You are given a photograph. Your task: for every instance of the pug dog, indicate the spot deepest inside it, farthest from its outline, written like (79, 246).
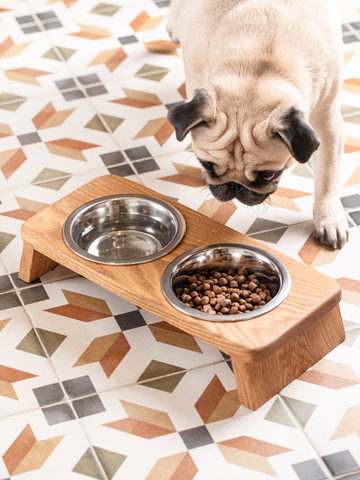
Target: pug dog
(263, 80)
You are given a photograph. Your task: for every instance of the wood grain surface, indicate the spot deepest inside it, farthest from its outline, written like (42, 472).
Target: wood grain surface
(312, 294)
(258, 382)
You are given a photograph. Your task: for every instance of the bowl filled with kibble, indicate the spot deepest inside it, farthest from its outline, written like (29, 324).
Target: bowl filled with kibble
(226, 282)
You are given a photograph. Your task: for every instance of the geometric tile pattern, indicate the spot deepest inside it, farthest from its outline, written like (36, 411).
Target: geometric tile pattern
(108, 350)
(90, 384)
(11, 160)
(180, 465)
(88, 466)
(110, 461)
(349, 423)
(314, 254)
(189, 176)
(196, 437)
(168, 334)
(159, 128)
(145, 22)
(216, 403)
(27, 453)
(67, 147)
(25, 75)
(110, 58)
(143, 421)
(8, 376)
(330, 374)
(9, 49)
(251, 453)
(49, 117)
(138, 99)
(158, 369)
(350, 290)
(82, 307)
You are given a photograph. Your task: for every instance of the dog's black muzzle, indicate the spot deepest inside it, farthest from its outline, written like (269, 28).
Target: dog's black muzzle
(228, 191)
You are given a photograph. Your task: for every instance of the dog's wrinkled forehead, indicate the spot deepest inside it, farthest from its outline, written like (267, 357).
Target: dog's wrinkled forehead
(235, 138)
(237, 149)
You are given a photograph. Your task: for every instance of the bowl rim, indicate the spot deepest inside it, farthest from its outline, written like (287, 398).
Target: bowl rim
(168, 292)
(82, 209)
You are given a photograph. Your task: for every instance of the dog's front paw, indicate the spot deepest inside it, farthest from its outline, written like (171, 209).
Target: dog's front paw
(331, 225)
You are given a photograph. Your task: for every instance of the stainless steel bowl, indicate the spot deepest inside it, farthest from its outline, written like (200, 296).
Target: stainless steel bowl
(223, 256)
(124, 229)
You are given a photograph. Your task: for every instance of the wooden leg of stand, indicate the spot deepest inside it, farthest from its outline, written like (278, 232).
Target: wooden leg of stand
(33, 264)
(260, 381)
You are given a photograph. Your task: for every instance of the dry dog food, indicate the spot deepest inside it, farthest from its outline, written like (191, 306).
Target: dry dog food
(226, 293)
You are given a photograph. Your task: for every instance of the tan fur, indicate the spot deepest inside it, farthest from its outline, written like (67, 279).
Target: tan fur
(256, 59)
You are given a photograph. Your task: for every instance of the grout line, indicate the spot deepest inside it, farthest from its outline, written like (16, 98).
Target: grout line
(346, 475)
(300, 427)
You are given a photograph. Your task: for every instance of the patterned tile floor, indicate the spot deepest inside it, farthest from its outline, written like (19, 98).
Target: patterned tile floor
(90, 385)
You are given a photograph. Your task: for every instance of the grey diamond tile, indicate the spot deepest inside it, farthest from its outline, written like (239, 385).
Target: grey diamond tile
(73, 95)
(351, 201)
(137, 153)
(309, 470)
(29, 138)
(163, 3)
(122, 171)
(112, 158)
(25, 19)
(128, 39)
(355, 216)
(146, 166)
(5, 284)
(51, 25)
(350, 39)
(58, 413)
(130, 320)
(88, 406)
(46, 15)
(355, 476)
(32, 29)
(65, 84)
(89, 79)
(33, 295)
(196, 437)
(97, 90)
(341, 462)
(49, 394)
(79, 387)
(9, 300)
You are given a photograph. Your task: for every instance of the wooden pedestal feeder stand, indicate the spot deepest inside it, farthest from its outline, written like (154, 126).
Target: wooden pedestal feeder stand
(267, 352)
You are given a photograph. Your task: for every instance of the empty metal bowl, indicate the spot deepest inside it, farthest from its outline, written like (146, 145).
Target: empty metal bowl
(124, 229)
(265, 266)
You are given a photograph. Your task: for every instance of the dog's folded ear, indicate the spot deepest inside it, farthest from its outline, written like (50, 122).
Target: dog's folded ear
(188, 115)
(298, 135)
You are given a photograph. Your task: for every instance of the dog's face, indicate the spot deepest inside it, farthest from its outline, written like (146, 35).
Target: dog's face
(244, 142)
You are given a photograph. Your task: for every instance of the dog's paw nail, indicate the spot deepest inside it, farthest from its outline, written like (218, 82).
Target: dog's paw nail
(333, 237)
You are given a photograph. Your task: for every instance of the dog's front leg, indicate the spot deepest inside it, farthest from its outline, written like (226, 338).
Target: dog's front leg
(331, 226)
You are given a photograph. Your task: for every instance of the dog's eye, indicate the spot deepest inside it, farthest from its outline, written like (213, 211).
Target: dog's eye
(209, 167)
(267, 176)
